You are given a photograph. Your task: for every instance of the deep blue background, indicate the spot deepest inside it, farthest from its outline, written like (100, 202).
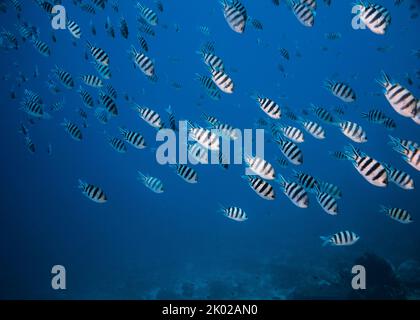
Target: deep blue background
(140, 241)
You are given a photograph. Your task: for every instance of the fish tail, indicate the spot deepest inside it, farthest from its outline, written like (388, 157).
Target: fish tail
(327, 84)
(384, 80)
(141, 176)
(383, 209)
(82, 184)
(326, 239)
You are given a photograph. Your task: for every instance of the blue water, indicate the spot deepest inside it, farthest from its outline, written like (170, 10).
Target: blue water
(142, 245)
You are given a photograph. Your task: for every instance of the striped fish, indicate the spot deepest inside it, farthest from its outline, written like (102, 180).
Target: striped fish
(65, 78)
(376, 17)
(226, 131)
(400, 98)
(143, 43)
(389, 124)
(313, 128)
(133, 138)
(338, 155)
(323, 114)
(270, 107)
(110, 90)
(400, 215)
(148, 15)
(261, 187)
(399, 177)
(100, 3)
(103, 70)
(310, 3)
(94, 193)
(410, 153)
(30, 145)
(370, 169)
(260, 167)
(209, 58)
(33, 109)
(342, 238)
(144, 63)
(222, 81)
(284, 53)
(291, 151)
(374, 116)
(330, 188)
(92, 81)
(353, 131)
(235, 15)
(211, 89)
(303, 13)
(292, 133)
(172, 121)
(188, 174)
(150, 116)
(341, 90)
(405, 143)
(41, 47)
(117, 144)
(74, 29)
(73, 130)
(205, 137)
(109, 104)
(234, 213)
(98, 54)
(305, 180)
(150, 182)
(86, 97)
(102, 115)
(327, 202)
(295, 192)
(198, 153)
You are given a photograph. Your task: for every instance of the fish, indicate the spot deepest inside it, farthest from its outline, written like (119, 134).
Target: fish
(222, 81)
(327, 202)
(235, 15)
(260, 167)
(410, 152)
(341, 90)
(117, 144)
(302, 12)
(290, 150)
(369, 168)
(375, 16)
(353, 131)
(234, 213)
(148, 15)
(92, 192)
(269, 106)
(397, 214)
(400, 98)
(143, 62)
(133, 138)
(187, 173)
(150, 116)
(399, 177)
(342, 238)
(261, 187)
(98, 54)
(153, 183)
(73, 130)
(295, 192)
